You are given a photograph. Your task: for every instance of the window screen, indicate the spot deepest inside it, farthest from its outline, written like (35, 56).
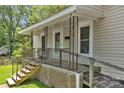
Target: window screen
(84, 40)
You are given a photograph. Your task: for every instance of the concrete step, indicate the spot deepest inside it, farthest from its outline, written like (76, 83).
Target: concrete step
(16, 78)
(30, 67)
(10, 82)
(24, 70)
(21, 74)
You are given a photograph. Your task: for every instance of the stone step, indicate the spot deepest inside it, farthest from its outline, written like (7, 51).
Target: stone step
(24, 70)
(21, 74)
(30, 67)
(10, 82)
(16, 78)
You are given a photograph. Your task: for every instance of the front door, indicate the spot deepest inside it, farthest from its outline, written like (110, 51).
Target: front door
(57, 41)
(57, 45)
(43, 43)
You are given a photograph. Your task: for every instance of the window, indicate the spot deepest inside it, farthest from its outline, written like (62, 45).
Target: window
(57, 40)
(84, 40)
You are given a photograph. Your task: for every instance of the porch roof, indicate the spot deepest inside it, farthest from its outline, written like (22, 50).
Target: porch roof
(85, 11)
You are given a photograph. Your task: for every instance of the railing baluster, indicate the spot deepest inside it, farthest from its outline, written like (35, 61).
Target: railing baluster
(60, 57)
(12, 66)
(34, 52)
(46, 55)
(16, 67)
(76, 62)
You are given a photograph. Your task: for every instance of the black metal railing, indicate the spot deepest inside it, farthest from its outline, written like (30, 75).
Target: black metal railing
(61, 58)
(62, 55)
(56, 57)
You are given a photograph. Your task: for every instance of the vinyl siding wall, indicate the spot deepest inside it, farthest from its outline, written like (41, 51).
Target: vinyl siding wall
(109, 39)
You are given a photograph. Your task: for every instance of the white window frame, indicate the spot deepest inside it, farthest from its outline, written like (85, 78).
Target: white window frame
(84, 24)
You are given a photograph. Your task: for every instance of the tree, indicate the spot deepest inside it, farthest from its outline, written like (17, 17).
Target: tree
(15, 18)
(2, 36)
(39, 13)
(12, 17)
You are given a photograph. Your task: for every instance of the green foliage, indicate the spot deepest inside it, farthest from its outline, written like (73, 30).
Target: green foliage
(3, 36)
(11, 17)
(42, 12)
(26, 42)
(17, 53)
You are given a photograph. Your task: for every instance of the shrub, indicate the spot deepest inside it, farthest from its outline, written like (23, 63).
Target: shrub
(5, 61)
(17, 53)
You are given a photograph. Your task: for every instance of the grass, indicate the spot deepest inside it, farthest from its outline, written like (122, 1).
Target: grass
(6, 72)
(32, 84)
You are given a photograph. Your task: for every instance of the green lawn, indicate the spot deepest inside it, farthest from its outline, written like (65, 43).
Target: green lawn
(6, 72)
(32, 84)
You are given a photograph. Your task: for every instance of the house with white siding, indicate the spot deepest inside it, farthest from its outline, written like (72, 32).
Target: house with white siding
(91, 36)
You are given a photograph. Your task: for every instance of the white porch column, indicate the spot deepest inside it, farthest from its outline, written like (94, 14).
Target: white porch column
(77, 79)
(36, 44)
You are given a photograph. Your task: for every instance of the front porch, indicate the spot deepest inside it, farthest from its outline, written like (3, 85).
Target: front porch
(56, 72)
(64, 44)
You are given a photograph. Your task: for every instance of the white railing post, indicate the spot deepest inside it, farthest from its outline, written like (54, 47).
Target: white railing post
(91, 71)
(77, 79)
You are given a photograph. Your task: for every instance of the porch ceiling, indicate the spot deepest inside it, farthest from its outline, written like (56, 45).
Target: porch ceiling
(86, 12)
